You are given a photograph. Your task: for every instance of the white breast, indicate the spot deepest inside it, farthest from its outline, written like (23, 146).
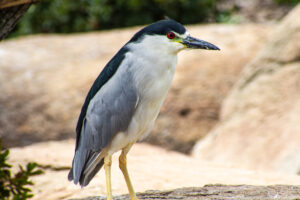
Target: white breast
(153, 74)
(153, 83)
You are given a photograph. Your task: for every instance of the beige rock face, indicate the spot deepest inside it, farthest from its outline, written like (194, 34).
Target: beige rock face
(150, 168)
(45, 78)
(260, 119)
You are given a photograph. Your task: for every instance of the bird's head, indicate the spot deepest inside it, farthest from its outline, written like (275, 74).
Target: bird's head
(168, 36)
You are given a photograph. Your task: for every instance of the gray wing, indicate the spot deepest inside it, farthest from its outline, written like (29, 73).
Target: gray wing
(109, 112)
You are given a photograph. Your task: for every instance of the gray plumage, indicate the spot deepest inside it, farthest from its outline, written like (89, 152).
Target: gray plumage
(108, 113)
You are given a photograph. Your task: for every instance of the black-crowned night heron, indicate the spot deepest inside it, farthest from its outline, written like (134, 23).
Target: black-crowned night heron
(124, 101)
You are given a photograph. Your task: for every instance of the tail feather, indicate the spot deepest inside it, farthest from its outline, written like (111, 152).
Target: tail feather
(70, 175)
(82, 160)
(86, 178)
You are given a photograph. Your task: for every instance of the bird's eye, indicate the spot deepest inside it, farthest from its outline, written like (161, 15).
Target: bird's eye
(171, 35)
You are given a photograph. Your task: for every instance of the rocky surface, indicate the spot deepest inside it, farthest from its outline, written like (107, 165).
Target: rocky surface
(150, 167)
(259, 126)
(219, 192)
(45, 78)
(257, 11)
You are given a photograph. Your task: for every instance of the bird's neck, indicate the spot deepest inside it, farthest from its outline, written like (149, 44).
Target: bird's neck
(153, 65)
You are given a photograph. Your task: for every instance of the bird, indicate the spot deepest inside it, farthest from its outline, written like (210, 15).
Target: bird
(124, 101)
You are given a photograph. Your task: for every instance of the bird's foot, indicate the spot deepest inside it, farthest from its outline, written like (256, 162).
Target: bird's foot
(133, 198)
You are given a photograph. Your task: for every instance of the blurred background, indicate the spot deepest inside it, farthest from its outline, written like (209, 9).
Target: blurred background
(55, 16)
(228, 111)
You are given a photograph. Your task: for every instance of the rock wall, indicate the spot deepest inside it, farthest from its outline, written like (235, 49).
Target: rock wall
(45, 78)
(260, 119)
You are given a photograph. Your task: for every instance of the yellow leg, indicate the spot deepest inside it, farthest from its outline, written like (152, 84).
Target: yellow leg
(107, 166)
(123, 167)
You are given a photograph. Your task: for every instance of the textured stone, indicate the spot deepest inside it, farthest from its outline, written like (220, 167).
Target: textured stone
(259, 126)
(219, 192)
(45, 78)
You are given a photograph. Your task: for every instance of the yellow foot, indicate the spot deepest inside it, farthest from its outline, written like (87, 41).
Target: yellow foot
(134, 198)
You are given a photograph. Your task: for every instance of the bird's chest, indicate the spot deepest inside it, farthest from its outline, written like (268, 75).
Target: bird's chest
(153, 81)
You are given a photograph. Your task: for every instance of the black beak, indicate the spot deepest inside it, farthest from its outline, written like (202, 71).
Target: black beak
(195, 43)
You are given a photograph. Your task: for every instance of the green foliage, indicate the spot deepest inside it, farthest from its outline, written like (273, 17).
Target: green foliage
(65, 16)
(228, 17)
(291, 2)
(15, 187)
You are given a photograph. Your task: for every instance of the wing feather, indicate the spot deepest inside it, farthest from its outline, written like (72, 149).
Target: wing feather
(109, 112)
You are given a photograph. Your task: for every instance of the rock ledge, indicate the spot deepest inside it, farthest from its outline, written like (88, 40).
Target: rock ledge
(219, 192)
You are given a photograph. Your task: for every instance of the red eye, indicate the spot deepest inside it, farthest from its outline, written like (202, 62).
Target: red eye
(170, 35)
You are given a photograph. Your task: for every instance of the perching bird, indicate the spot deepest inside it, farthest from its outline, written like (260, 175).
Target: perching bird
(125, 99)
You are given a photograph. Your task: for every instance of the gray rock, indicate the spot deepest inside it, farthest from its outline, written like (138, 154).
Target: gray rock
(218, 192)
